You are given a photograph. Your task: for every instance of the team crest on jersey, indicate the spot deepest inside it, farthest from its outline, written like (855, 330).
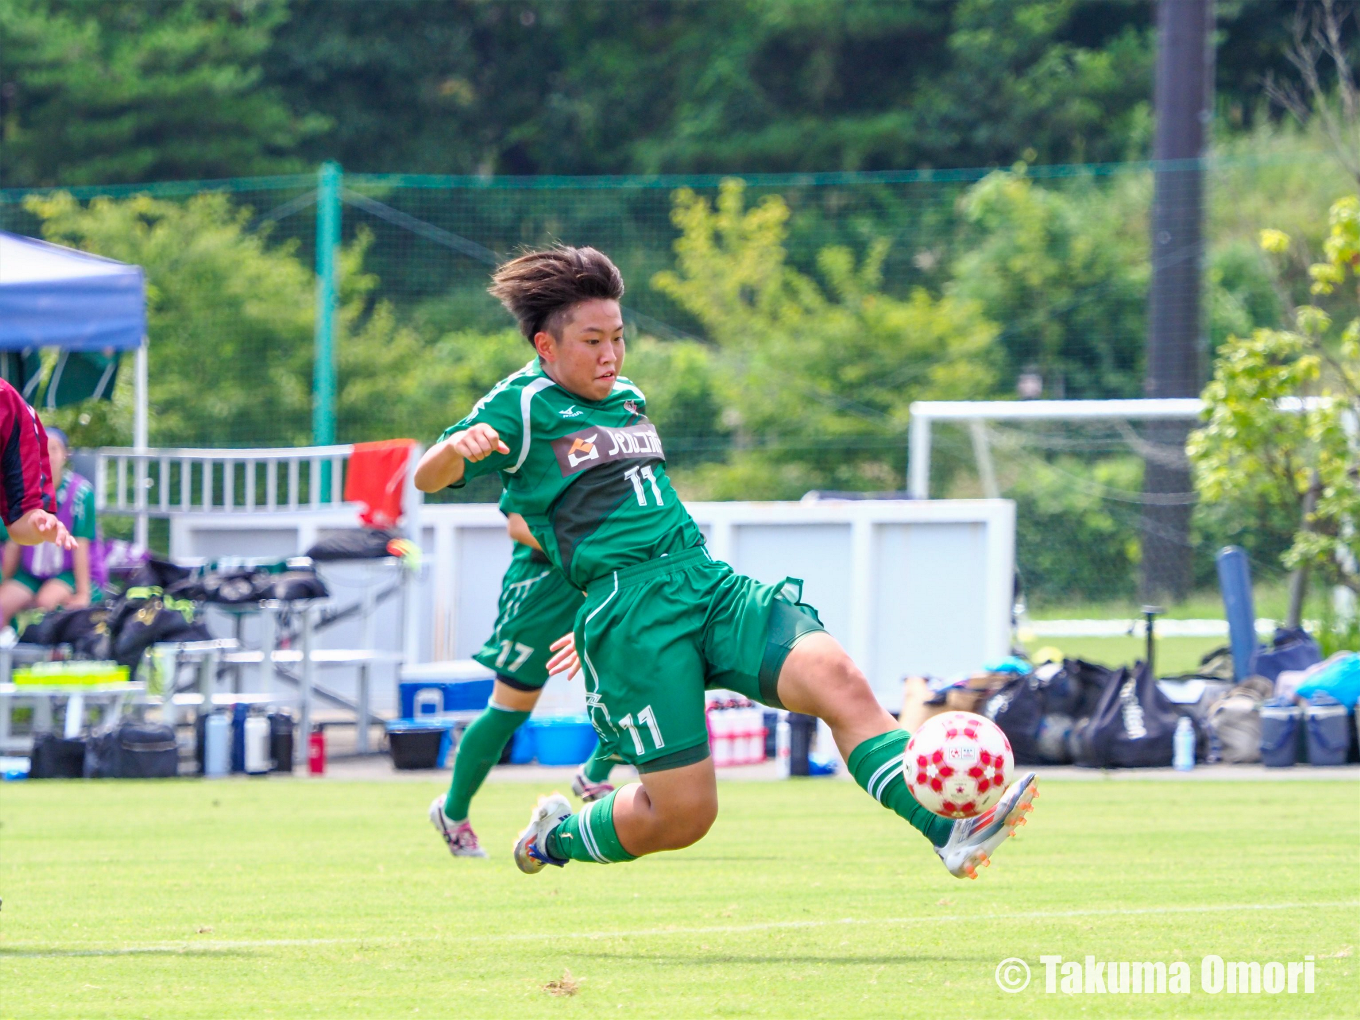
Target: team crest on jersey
(591, 447)
(630, 406)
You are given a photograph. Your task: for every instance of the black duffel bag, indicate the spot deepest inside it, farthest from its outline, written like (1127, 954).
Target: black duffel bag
(133, 751)
(55, 757)
(352, 544)
(1018, 708)
(1132, 727)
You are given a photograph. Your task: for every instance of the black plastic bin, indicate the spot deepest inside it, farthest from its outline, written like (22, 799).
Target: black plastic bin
(415, 745)
(55, 757)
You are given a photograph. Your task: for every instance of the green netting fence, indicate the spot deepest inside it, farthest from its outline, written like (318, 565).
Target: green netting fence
(999, 283)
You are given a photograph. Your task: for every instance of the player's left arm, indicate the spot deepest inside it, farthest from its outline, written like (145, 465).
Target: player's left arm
(518, 529)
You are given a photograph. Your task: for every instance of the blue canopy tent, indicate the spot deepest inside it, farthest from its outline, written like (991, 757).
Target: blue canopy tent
(52, 296)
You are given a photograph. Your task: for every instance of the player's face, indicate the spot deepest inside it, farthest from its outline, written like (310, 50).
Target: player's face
(589, 355)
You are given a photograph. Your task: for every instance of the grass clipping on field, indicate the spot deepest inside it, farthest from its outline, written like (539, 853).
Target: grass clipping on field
(564, 986)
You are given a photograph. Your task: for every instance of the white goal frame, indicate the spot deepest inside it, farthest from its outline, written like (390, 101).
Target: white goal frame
(924, 413)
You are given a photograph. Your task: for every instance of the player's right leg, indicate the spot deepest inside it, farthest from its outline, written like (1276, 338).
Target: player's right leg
(818, 678)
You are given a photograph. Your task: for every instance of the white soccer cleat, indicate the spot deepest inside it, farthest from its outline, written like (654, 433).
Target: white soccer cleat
(530, 853)
(461, 840)
(972, 841)
(588, 791)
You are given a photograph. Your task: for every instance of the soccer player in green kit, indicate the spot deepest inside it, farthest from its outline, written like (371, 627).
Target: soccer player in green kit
(661, 619)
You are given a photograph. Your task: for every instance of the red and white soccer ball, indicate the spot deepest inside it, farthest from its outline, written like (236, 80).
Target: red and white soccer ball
(958, 764)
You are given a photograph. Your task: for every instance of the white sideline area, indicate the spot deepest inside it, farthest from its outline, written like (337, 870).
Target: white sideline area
(907, 586)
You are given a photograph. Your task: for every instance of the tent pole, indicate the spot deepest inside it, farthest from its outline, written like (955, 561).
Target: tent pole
(139, 443)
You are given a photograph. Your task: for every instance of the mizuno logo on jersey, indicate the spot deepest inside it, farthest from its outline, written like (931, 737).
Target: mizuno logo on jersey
(571, 412)
(601, 445)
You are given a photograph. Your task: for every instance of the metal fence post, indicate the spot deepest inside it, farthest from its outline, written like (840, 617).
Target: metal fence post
(323, 372)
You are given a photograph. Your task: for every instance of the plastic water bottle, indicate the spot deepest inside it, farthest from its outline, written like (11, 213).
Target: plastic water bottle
(216, 744)
(256, 745)
(1183, 745)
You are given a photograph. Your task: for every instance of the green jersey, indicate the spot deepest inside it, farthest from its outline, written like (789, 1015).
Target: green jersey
(589, 478)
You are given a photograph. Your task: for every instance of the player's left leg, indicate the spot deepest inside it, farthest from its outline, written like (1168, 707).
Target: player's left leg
(818, 678)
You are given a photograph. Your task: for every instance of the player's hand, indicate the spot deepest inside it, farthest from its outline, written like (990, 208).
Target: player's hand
(52, 530)
(38, 526)
(477, 443)
(565, 660)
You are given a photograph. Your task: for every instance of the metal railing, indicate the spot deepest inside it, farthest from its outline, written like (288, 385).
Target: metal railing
(160, 482)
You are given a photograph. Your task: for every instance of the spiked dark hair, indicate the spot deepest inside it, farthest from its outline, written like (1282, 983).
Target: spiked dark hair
(540, 287)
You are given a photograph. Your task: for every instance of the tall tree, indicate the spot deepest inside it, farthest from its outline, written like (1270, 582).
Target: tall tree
(108, 91)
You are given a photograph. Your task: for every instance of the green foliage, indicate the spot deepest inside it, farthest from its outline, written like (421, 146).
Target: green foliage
(229, 318)
(110, 91)
(1253, 450)
(98, 91)
(1068, 544)
(230, 334)
(1065, 271)
(817, 375)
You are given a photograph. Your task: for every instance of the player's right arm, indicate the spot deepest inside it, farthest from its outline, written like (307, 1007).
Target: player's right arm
(445, 463)
(477, 445)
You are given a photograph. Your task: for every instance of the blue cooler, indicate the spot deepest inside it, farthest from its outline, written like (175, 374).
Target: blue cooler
(1280, 732)
(522, 745)
(1329, 729)
(569, 740)
(432, 688)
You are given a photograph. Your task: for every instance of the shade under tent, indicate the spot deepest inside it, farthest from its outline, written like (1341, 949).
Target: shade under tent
(51, 296)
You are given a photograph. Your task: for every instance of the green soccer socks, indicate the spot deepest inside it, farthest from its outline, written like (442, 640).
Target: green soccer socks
(876, 765)
(599, 766)
(479, 749)
(588, 835)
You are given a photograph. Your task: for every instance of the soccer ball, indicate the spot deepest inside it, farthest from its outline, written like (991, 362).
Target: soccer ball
(957, 764)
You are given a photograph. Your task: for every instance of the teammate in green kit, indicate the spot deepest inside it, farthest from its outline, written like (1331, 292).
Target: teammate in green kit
(661, 620)
(537, 608)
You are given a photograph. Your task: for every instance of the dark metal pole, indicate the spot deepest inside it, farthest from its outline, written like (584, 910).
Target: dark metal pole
(1182, 102)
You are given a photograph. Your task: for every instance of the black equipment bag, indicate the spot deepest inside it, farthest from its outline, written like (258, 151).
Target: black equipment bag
(55, 757)
(298, 584)
(1132, 727)
(147, 616)
(1018, 708)
(242, 586)
(352, 544)
(133, 751)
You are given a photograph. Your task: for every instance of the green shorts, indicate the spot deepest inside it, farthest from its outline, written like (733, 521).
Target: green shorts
(32, 583)
(652, 637)
(538, 605)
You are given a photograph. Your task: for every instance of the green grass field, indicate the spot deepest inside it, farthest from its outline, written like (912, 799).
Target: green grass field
(293, 898)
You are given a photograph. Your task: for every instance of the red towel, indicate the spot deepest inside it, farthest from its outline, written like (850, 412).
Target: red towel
(377, 478)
